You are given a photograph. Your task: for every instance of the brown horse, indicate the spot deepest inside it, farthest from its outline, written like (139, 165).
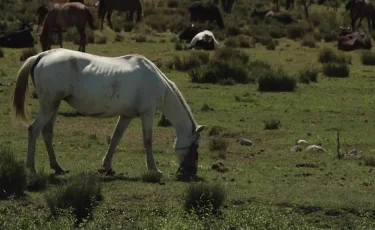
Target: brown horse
(128, 6)
(361, 9)
(63, 16)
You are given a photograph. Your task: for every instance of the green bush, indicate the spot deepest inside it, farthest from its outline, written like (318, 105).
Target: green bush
(12, 175)
(119, 37)
(336, 70)
(276, 81)
(327, 55)
(308, 75)
(368, 58)
(272, 124)
(226, 54)
(218, 144)
(309, 41)
(80, 195)
(151, 177)
(186, 63)
(204, 199)
(101, 39)
(37, 181)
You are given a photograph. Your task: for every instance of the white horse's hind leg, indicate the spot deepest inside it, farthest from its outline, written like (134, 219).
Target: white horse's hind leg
(35, 128)
(147, 123)
(122, 124)
(47, 133)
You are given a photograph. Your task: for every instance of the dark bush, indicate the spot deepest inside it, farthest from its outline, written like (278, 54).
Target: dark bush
(309, 41)
(368, 58)
(276, 81)
(12, 175)
(308, 75)
(272, 124)
(336, 70)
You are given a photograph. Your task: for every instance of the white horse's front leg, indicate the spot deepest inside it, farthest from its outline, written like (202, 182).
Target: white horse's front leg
(122, 124)
(147, 123)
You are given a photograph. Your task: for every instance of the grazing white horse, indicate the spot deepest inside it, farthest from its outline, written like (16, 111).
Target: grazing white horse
(205, 40)
(128, 86)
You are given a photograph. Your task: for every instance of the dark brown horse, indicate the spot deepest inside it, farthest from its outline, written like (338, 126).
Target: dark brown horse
(64, 16)
(205, 12)
(41, 13)
(128, 6)
(360, 9)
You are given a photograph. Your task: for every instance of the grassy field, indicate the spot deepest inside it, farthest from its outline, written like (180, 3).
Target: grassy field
(267, 185)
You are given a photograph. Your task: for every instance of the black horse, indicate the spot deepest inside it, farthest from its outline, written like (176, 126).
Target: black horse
(205, 12)
(189, 33)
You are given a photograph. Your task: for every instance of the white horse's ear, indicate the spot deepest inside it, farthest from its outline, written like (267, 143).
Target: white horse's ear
(200, 128)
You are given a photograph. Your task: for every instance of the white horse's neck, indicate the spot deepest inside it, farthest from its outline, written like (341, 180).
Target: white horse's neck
(178, 113)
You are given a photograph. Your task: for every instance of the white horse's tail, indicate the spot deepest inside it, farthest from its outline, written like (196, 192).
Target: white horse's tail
(20, 111)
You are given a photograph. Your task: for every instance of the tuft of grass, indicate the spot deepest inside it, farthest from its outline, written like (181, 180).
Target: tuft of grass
(272, 124)
(26, 53)
(308, 75)
(327, 55)
(164, 122)
(119, 37)
(206, 108)
(12, 175)
(1, 53)
(226, 54)
(309, 41)
(151, 177)
(218, 144)
(101, 39)
(81, 195)
(296, 31)
(276, 81)
(140, 38)
(37, 181)
(204, 199)
(186, 63)
(368, 58)
(340, 70)
(215, 131)
(369, 161)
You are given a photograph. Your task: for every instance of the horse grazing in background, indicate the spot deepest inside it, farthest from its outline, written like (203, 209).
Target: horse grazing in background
(129, 86)
(63, 16)
(106, 7)
(189, 33)
(205, 12)
(361, 9)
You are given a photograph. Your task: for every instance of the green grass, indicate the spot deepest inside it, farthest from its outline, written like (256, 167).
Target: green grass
(264, 188)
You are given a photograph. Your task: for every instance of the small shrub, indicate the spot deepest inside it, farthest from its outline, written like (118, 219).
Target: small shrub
(215, 131)
(327, 55)
(203, 56)
(101, 39)
(232, 31)
(309, 41)
(129, 26)
(151, 177)
(81, 195)
(26, 53)
(12, 175)
(224, 72)
(140, 38)
(119, 37)
(178, 45)
(204, 199)
(276, 81)
(37, 181)
(186, 63)
(272, 124)
(308, 75)
(368, 58)
(1, 53)
(218, 144)
(336, 70)
(164, 122)
(369, 161)
(206, 108)
(271, 46)
(296, 31)
(226, 54)
(173, 4)
(241, 41)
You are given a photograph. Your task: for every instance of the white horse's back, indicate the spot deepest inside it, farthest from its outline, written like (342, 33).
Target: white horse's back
(100, 86)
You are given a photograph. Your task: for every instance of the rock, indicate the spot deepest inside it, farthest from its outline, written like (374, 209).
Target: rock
(315, 148)
(302, 142)
(296, 148)
(246, 142)
(219, 167)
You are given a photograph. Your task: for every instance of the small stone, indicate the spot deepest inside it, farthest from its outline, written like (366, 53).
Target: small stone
(302, 142)
(315, 148)
(246, 142)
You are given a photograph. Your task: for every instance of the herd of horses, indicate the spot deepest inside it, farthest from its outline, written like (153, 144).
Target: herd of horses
(54, 18)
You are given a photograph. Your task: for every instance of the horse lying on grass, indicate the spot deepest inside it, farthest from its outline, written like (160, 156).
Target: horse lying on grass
(128, 86)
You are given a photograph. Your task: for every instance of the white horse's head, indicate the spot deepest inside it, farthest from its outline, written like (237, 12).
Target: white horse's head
(187, 152)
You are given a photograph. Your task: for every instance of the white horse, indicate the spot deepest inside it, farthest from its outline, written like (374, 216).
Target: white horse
(128, 86)
(205, 40)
